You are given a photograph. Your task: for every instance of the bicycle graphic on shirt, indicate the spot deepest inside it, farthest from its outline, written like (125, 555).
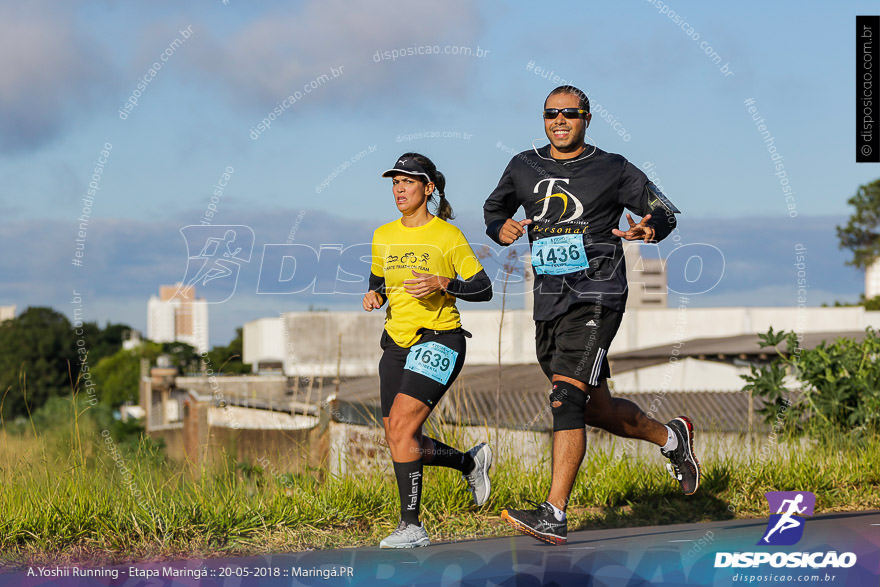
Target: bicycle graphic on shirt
(408, 258)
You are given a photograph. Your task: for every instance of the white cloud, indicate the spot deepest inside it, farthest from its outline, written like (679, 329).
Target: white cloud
(47, 71)
(276, 54)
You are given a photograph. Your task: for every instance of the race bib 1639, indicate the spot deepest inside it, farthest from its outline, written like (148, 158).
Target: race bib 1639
(433, 360)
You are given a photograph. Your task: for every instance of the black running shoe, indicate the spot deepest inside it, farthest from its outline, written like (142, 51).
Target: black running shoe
(540, 523)
(683, 465)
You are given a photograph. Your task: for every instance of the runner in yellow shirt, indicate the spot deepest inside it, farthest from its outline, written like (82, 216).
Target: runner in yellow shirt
(415, 262)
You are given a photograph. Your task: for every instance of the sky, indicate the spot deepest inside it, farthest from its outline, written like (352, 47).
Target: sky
(120, 122)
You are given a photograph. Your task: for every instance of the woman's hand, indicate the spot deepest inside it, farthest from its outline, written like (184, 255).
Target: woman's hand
(372, 300)
(424, 284)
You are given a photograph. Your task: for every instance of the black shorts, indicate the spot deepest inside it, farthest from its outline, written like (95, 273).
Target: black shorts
(575, 344)
(437, 361)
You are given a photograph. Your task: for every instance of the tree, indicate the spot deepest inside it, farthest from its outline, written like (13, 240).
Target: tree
(183, 356)
(116, 376)
(38, 359)
(228, 359)
(861, 235)
(103, 342)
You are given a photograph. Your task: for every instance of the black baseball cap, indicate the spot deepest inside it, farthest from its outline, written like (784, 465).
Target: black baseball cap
(409, 166)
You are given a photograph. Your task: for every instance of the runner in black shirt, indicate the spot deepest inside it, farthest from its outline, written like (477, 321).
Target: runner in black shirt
(574, 196)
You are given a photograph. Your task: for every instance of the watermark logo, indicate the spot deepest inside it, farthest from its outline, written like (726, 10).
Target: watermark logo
(214, 258)
(786, 526)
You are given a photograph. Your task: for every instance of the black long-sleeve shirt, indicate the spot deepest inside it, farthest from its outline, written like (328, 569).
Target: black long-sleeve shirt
(476, 289)
(574, 204)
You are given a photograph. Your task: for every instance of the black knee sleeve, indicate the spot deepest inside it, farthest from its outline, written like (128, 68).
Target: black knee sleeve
(569, 415)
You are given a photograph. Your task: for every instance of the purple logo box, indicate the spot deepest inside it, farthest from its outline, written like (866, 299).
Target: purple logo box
(788, 511)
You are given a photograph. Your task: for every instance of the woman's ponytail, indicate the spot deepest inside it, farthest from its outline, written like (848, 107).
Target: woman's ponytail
(444, 208)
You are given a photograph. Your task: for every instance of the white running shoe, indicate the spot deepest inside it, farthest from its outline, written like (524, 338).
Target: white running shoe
(478, 479)
(406, 536)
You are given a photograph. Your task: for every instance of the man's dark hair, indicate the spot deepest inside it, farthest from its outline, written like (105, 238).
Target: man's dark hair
(583, 101)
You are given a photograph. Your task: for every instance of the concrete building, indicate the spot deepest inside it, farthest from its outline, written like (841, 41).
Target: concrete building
(7, 313)
(267, 343)
(872, 280)
(131, 340)
(646, 278)
(309, 344)
(347, 343)
(176, 315)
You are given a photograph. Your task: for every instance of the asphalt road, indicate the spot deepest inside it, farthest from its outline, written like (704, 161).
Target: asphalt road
(685, 554)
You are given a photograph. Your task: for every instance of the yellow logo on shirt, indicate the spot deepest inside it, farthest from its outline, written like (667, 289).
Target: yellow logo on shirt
(563, 194)
(559, 195)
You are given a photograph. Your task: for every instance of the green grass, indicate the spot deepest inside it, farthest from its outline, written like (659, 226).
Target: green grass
(65, 498)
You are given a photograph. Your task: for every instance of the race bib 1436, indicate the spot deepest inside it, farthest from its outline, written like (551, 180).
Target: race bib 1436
(557, 255)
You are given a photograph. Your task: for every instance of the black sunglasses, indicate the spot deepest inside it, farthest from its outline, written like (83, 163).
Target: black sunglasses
(551, 113)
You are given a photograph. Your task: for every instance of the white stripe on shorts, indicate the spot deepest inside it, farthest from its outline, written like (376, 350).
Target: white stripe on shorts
(597, 368)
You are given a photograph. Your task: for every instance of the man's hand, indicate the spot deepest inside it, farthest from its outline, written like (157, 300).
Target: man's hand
(372, 300)
(424, 284)
(512, 230)
(640, 231)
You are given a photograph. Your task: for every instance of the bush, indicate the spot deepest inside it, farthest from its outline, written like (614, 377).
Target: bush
(839, 381)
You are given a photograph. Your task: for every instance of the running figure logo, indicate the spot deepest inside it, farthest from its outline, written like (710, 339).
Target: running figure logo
(786, 526)
(219, 252)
